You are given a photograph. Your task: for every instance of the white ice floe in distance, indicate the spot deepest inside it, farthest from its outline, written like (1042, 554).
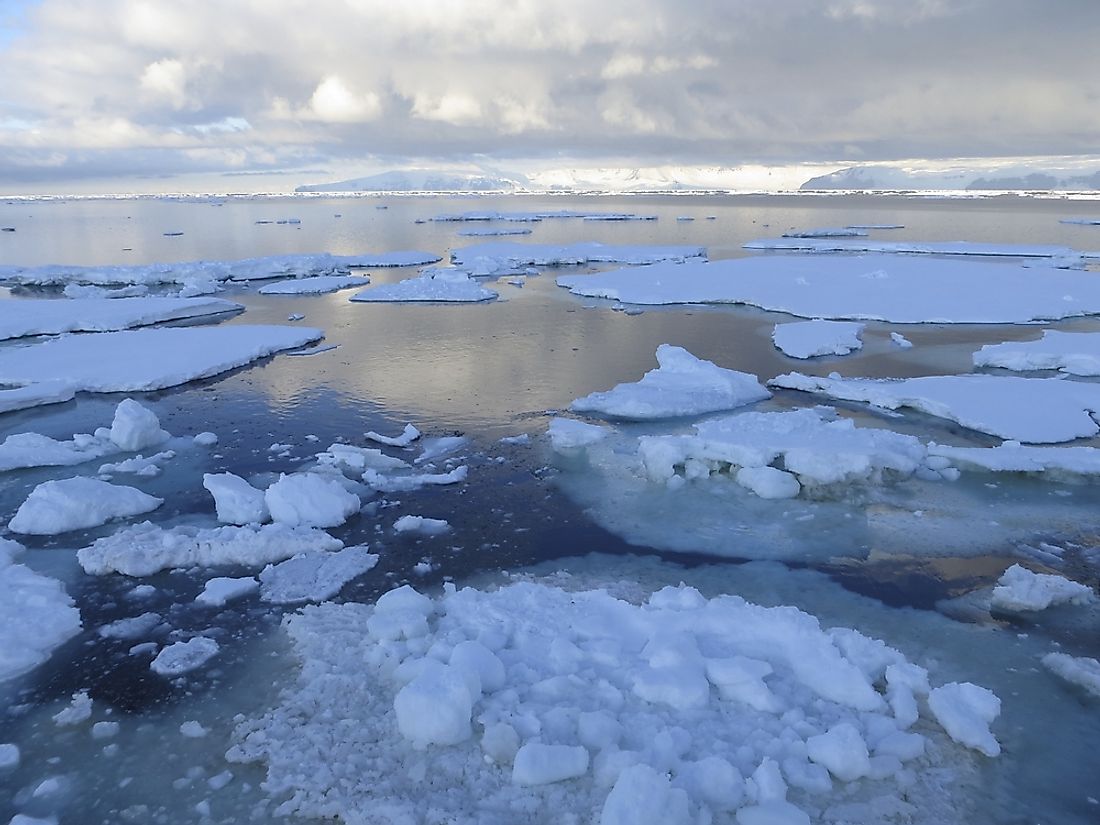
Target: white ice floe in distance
(505, 256)
(315, 285)
(1031, 410)
(314, 577)
(137, 360)
(36, 614)
(184, 657)
(827, 232)
(682, 385)
(900, 341)
(235, 500)
(77, 503)
(1082, 671)
(1076, 353)
(535, 698)
(492, 231)
(1021, 590)
(893, 288)
(52, 317)
(809, 339)
(442, 285)
(421, 525)
(145, 549)
(817, 244)
(310, 500)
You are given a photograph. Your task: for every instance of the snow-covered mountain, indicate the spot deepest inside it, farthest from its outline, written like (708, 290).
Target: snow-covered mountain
(668, 178)
(423, 180)
(961, 177)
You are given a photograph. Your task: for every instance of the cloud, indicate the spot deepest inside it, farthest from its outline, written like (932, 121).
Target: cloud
(333, 102)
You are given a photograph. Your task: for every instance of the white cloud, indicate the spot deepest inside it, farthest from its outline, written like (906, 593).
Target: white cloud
(458, 109)
(334, 102)
(166, 80)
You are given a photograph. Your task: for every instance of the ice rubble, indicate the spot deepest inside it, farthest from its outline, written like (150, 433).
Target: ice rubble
(809, 339)
(1076, 353)
(421, 525)
(145, 549)
(440, 284)
(531, 700)
(1019, 590)
(315, 285)
(1033, 410)
(247, 269)
(137, 360)
(504, 256)
(76, 503)
(682, 385)
(871, 287)
(810, 244)
(33, 316)
(36, 614)
(1081, 671)
(183, 657)
(314, 577)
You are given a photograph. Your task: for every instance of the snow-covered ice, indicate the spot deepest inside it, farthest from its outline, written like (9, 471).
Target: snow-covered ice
(812, 244)
(537, 699)
(507, 256)
(359, 459)
(492, 231)
(407, 437)
(183, 657)
(870, 287)
(236, 501)
(131, 627)
(135, 427)
(145, 549)
(314, 577)
(809, 339)
(52, 317)
(412, 481)
(1020, 589)
(569, 434)
(315, 285)
(221, 589)
(77, 503)
(1013, 457)
(1032, 410)
(682, 385)
(1076, 353)
(434, 285)
(421, 525)
(137, 360)
(1082, 671)
(310, 500)
(78, 711)
(827, 232)
(36, 614)
(900, 341)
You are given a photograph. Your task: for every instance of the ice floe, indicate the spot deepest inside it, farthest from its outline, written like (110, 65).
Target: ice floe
(682, 385)
(827, 232)
(310, 500)
(503, 256)
(314, 577)
(315, 285)
(537, 699)
(871, 287)
(491, 231)
(36, 614)
(815, 244)
(1076, 353)
(809, 339)
(568, 434)
(1013, 457)
(77, 503)
(51, 317)
(145, 549)
(442, 284)
(184, 657)
(413, 481)
(1033, 410)
(221, 589)
(1082, 671)
(421, 525)
(407, 437)
(136, 360)
(235, 500)
(247, 269)
(1020, 590)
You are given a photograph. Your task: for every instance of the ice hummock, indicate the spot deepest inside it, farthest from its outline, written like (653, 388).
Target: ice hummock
(31, 316)
(444, 285)
(809, 339)
(682, 385)
(1032, 410)
(77, 503)
(871, 287)
(531, 697)
(1076, 353)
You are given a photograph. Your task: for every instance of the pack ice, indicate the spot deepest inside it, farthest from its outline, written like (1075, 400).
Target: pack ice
(31, 316)
(534, 699)
(870, 287)
(681, 385)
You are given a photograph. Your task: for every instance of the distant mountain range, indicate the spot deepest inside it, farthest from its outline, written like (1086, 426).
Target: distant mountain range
(423, 180)
(894, 178)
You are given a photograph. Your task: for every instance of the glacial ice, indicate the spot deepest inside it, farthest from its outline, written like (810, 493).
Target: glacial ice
(76, 503)
(32, 316)
(1076, 353)
(809, 339)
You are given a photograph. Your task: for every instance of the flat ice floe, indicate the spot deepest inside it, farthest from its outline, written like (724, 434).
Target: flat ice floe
(36, 614)
(315, 285)
(491, 231)
(1014, 457)
(183, 657)
(314, 577)
(681, 385)
(538, 699)
(137, 360)
(1020, 590)
(434, 285)
(247, 269)
(1032, 410)
(871, 287)
(809, 339)
(828, 232)
(145, 549)
(77, 503)
(818, 244)
(1084, 672)
(503, 256)
(1076, 353)
(32, 316)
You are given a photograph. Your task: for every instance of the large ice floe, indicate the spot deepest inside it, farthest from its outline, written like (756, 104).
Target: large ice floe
(442, 284)
(315, 285)
(681, 385)
(77, 503)
(870, 287)
(1033, 410)
(54, 316)
(539, 703)
(809, 339)
(136, 360)
(36, 614)
(247, 269)
(1076, 353)
(315, 576)
(809, 243)
(506, 256)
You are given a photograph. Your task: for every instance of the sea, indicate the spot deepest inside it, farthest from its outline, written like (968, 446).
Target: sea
(906, 564)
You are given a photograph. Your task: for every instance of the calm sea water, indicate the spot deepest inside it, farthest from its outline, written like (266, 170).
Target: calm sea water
(494, 370)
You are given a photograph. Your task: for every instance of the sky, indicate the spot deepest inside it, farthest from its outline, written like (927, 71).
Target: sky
(152, 94)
